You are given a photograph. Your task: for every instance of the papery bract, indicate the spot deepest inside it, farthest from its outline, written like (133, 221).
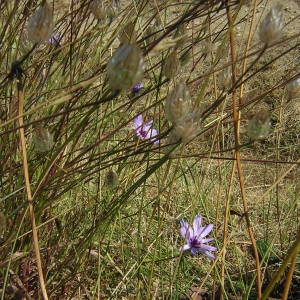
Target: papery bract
(40, 25)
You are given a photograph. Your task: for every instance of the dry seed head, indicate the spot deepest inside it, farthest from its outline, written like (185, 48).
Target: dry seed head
(40, 25)
(125, 68)
(225, 78)
(171, 66)
(43, 140)
(190, 127)
(178, 103)
(2, 221)
(113, 9)
(127, 34)
(292, 90)
(271, 28)
(99, 10)
(259, 125)
(25, 44)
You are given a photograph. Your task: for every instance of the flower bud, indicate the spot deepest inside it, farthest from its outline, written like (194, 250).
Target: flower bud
(126, 67)
(190, 127)
(225, 78)
(99, 10)
(127, 34)
(40, 25)
(43, 140)
(113, 9)
(111, 180)
(259, 125)
(171, 66)
(25, 44)
(2, 221)
(293, 89)
(270, 30)
(178, 103)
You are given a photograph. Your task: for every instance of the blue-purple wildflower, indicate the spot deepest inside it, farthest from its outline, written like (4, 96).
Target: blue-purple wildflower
(137, 88)
(144, 131)
(195, 237)
(54, 38)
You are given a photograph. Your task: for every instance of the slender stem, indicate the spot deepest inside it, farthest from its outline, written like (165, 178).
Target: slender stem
(236, 121)
(28, 190)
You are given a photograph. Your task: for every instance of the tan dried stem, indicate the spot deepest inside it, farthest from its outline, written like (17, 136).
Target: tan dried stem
(237, 152)
(28, 190)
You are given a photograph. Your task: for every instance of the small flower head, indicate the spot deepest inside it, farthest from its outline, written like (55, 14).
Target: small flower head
(293, 89)
(144, 131)
(43, 140)
(113, 9)
(178, 103)
(270, 30)
(137, 88)
(99, 10)
(259, 125)
(111, 180)
(190, 127)
(40, 25)
(126, 67)
(171, 66)
(195, 237)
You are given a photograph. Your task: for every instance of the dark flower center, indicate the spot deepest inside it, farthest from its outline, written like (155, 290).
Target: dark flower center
(143, 133)
(194, 242)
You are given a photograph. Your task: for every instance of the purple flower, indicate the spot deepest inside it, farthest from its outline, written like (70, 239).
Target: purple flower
(195, 237)
(54, 38)
(144, 131)
(137, 88)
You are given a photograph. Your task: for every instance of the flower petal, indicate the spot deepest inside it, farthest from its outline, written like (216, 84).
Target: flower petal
(206, 230)
(208, 248)
(207, 240)
(138, 121)
(197, 224)
(207, 254)
(185, 248)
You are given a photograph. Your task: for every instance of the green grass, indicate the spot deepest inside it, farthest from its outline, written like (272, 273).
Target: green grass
(122, 243)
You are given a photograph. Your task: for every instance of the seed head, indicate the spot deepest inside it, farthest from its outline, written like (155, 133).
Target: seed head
(127, 34)
(99, 10)
(178, 103)
(171, 142)
(43, 140)
(171, 66)
(40, 25)
(259, 125)
(113, 9)
(293, 89)
(271, 28)
(126, 67)
(190, 127)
